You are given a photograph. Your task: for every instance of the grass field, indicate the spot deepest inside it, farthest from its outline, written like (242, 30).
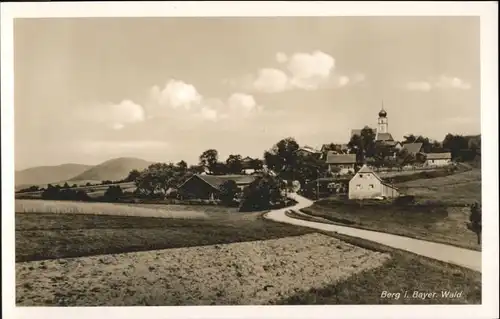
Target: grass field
(462, 188)
(293, 271)
(48, 235)
(256, 272)
(404, 272)
(92, 191)
(70, 207)
(439, 224)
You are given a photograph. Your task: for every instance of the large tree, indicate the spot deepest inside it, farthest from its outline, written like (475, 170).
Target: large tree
(234, 164)
(282, 157)
(209, 159)
(363, 145)
(455, 144)
(261, 194)
(132, 176)
(158, 178)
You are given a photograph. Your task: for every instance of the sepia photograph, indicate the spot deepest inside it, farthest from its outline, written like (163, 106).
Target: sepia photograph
(227, 160)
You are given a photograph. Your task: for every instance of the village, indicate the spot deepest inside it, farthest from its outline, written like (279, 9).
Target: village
(342, 169)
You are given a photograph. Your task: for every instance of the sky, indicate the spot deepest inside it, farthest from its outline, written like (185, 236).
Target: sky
(167, 89)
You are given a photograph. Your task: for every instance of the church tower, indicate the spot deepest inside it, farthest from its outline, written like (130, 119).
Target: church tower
(383, 122)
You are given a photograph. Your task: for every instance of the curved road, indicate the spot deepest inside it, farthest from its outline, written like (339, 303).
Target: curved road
(454, 255)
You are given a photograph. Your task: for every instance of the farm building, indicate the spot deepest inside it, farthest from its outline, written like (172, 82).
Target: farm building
(437, 159)
(413, 148)
(344, 163)
(366, 184)
(207, 186)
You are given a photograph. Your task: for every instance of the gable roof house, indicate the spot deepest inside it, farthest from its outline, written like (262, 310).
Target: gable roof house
(308, 151)
(207, 186)
(343, 163)
(413, 148)
(366, 184)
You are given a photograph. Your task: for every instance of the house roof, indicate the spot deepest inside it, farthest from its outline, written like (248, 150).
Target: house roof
(247, 159)
(438, 155)
(332, 158)
(308, 149)
(217, 180)
(413, 148)
(367, 170)
(384, 137)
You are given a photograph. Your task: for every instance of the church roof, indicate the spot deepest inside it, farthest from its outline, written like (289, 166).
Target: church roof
(384, 137)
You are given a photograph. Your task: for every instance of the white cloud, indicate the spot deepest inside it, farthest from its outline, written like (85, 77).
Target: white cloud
(126, 112)
(304, 71)
(452, 83)
(176, 94)
(344, 80)
(281, 57)
(419, 86)
(443, 82)
(270, 81)
(208, 113)
(115, 116)
(117, 126)
(357, 78)
(308, 70)
(241, 101)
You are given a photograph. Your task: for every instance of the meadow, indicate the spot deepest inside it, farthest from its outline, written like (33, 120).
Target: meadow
(403, 272)
(440, 213)
(242, 273)
(458, 189)
(50, 235)
(93, 208)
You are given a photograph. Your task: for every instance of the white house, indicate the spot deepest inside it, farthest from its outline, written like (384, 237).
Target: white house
(366, 184)
(437, 159)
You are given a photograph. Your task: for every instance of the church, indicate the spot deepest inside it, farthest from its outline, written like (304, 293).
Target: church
(382, 134)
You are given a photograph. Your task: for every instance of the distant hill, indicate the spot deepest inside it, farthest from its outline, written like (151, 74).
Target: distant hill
(114, 169)
(48, 174)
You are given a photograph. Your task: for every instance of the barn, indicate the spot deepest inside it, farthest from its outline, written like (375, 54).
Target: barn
(366, 184)
(437, 159)
(207, 186)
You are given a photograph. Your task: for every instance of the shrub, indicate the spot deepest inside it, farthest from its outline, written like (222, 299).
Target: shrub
(228, 192)
(113, 193)
(404, 200)
(475, 220)
(260, 194)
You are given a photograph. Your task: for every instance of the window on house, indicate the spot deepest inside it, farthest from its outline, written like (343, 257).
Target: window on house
(361, 175)
(371, 186)
(358, 186)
